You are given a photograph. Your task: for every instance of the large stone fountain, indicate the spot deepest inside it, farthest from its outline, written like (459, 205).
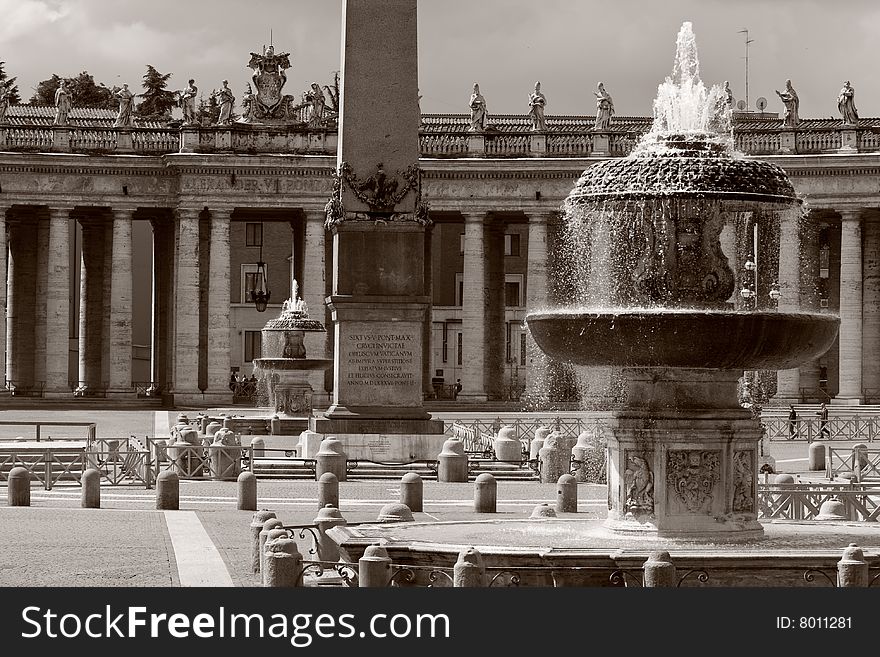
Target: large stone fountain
(284, 370)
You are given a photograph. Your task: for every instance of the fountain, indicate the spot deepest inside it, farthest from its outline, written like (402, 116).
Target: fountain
(654, 294)
(283, 370)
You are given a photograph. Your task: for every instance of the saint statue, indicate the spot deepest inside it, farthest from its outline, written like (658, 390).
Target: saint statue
(728, 95)
(316, 100)
(126, 99)
(62, 104)
(846, 103)
(789, 98)
(225, 100)
(478, 110)
(604, 108)
(188, 103)
(537, 101)
(4, 101)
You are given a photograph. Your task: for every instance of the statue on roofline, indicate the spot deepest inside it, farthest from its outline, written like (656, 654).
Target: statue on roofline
(269, 76)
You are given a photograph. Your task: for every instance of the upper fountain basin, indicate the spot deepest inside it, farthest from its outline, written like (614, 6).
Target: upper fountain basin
(684, 166)
(714, 339)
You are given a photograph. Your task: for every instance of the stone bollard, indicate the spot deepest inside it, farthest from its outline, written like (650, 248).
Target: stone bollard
(284, 564)
(270, 524)
(816, 453)
(832, 509)
(374, 568)
(275, 425)
(411, 491)
(507, 446)
(331, 458)
(550, 457)
(168, 491)
(260, 517)
(204, 420)
(485, 494)
(91, 489)
(212, 428)
(469, 569)
(452, 463)
(859, 457)
(247, 491)
(258, 446)
(395, 512)
(271, 535)
(537, 443)
(580, 453)
(328, 490)
(327, 518)
(567, 494)
(543, 510)
(852, 569)
(18, 492)
(660, 571)
(783, 479)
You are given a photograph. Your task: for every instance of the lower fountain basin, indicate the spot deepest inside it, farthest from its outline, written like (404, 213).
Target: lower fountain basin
(713, 339)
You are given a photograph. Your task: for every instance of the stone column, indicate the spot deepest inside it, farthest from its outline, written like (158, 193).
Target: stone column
(218, 308)
(537, 385)
(186, 309)
(850, 363)
(162, 296)
(119, 354)
(20, 288)
(57, 339)
(871, 307)
(788, 381)
(809, 372)
(4, 213)
(91, 296)
(473, 315)
(313, 290)
(42, 270)
(427, 325)
(494, 313)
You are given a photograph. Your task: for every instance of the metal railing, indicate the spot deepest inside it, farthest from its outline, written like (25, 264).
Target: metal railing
(863, 464)
(859, 428)
(23, 389)
(37, 429)
(45, 465)
(861, 502)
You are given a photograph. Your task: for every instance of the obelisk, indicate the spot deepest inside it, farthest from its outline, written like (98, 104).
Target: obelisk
(379, 294)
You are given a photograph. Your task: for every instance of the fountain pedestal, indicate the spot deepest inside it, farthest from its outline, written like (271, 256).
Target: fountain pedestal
(682, 456)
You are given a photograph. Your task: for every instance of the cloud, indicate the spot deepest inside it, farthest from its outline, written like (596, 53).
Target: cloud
(24, 17)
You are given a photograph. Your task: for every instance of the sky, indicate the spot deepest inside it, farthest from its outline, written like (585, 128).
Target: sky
(504, 45)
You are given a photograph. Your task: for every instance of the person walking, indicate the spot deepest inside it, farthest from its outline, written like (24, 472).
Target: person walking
(792, 422)
(824, 431)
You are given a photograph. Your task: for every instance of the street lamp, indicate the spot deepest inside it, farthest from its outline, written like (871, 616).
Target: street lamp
(260, 293)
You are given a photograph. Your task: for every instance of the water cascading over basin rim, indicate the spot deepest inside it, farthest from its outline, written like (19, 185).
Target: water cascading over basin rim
(700, 339)
(684, 174)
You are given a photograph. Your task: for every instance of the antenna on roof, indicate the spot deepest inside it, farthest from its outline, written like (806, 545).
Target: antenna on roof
(748, 41)
(270, 36)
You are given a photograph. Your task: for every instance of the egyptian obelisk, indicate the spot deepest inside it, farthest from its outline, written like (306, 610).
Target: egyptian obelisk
(379, 294)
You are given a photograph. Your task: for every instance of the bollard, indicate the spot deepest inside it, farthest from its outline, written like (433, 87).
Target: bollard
(328, 517)
(832, 509)
(330, 458)
(374, 568)
(275, 425)
(567, 494)
(258, 445)
(259, 518)
(204, 420)
(328, 490)
(247, 491)
(411, 491)
(268, 525)
(18, 492)
(452, 463)
(537, 443)
(395, 512)
(580, 453)
(852, 569)
(485, 494)
(168, 491)
(507, 446)
(271, 535)
(91, 489)
(284, 564)
(816, 453)
(783, 479)
(543, 510)
(469, 569)
(550, 457)
(212, 428)
(859, 458)
(660, 571)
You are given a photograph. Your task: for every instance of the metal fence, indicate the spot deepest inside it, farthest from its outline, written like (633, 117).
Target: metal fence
(861, 502)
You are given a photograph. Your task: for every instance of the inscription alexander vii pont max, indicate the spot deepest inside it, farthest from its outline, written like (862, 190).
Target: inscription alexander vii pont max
(383, 359)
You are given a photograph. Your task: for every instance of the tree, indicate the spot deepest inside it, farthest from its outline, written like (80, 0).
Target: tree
(82, 89)
(208, 110)
(12, 89)
(158, 101)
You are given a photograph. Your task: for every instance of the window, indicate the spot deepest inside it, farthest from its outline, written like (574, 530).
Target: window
(522, 348)
(511, 293)
(511, 244)
(253, 234)
(508, 344)
(445, 343)
(252, 345)
(251, 279)
(459, 288)
(461, 244)
(458, 348)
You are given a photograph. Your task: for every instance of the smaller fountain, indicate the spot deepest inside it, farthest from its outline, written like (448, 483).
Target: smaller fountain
(283, 370)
